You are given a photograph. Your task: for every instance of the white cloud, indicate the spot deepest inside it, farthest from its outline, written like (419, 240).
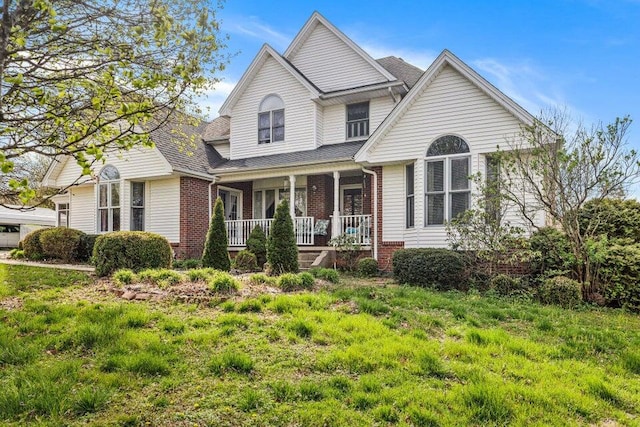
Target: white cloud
(253, 27)
(212, 99)
(419, 58)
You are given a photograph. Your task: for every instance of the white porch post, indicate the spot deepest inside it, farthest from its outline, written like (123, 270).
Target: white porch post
(292, 197)
(335, 224)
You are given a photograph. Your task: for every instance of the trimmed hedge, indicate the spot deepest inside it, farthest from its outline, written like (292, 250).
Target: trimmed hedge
(431, 267)
(620, 274)
(32, 246)
(135, 250)
(282, 248)
(215, 254)
(257, 245)
(367, 267)
(561, 291)
(87, 242)
(245, 261)
(62, 243)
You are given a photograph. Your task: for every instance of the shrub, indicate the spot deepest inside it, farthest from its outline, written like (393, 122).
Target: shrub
(505, 285)
(62, 243)
(289, 282)
(620, 274)
(551, 252)
(561, 291)
(257, 245)
(162, 278)
(440, 268)
(615, 218)
(306, 280)
(328, 274)
(367, 267)
(245, 261)
(215, 253)
(124, 276)
(201, 274)
(32, 246)
(87, 242)
(135, 250)
(282, 248)
(223, 283)
(187, 264)
(262, 279)
(347, 251)
(16, 253)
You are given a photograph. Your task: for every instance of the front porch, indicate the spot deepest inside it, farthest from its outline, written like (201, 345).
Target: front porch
(306, 229)
(323, 205)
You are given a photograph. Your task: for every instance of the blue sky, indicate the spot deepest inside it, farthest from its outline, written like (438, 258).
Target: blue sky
(583, 55)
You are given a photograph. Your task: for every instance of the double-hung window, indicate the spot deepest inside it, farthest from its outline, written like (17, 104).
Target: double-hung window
(63, 214)
(271, 120)
(358, 120)
(137, 206)
(109, 200)
(447, 184)
(410, 189)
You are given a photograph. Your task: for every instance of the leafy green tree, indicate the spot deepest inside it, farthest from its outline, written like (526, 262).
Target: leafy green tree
(81, 78)
(556, 167)
(257, 245)
(282, 248)
(215, 253)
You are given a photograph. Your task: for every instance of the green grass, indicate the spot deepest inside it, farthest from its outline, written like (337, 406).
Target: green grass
(352, 354)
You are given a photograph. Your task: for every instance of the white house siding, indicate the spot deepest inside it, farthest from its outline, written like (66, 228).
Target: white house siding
(323, 58)
(335, 117)
(392, 203)
(449, 105)
(223, 150)
(132, 164)
(299, 110)
(162, 208)
(82, 214)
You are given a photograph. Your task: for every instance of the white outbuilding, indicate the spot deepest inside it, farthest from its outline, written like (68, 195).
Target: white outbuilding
(15, 223)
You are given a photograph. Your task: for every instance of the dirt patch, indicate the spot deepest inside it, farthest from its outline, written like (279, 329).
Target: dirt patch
(11, 303)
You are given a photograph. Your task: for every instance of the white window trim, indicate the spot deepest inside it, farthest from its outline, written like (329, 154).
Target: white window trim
(446, 184)
(58, 210)
(349, 187)
(276, 195)
(238, 193)
(346, 122)
(406, 195)
(143, 207)
(109, 207)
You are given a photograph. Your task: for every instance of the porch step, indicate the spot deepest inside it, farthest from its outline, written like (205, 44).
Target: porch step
(305, 259)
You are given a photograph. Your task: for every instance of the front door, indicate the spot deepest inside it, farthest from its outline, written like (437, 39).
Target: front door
(352, 201)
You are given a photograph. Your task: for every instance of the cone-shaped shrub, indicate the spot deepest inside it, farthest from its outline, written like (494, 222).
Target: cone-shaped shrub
(282, 250)
(215, 253)
(257, 245)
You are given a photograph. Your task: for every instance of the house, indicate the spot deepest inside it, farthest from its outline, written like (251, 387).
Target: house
(373, 148)
(17, 222)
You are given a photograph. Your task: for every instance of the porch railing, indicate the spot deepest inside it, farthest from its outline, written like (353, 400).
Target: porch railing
(238, 230)
(356, 226)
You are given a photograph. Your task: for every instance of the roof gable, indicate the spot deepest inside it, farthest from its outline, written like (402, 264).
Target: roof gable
(322, 53)
(265, 53)
(445, 59)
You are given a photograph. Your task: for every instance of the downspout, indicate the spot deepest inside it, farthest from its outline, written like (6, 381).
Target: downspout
(375, 211)
(213, 181)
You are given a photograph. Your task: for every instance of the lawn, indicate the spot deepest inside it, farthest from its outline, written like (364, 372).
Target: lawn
(358, 353)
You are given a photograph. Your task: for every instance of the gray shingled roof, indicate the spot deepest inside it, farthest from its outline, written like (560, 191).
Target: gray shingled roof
(401, 70)
(322, 154)
(219, 128)
(197, 157)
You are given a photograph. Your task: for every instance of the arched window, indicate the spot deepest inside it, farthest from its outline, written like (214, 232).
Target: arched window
(108, 199)
(447, 184)
(271, 120)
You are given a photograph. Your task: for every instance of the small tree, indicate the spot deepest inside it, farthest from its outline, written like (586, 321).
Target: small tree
(557, 171)
(215, 253)
(484, 230)
(257, 245)
(282, 248)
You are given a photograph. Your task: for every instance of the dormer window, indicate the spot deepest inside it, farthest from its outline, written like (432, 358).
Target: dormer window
(271, 120)
(358, 120)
